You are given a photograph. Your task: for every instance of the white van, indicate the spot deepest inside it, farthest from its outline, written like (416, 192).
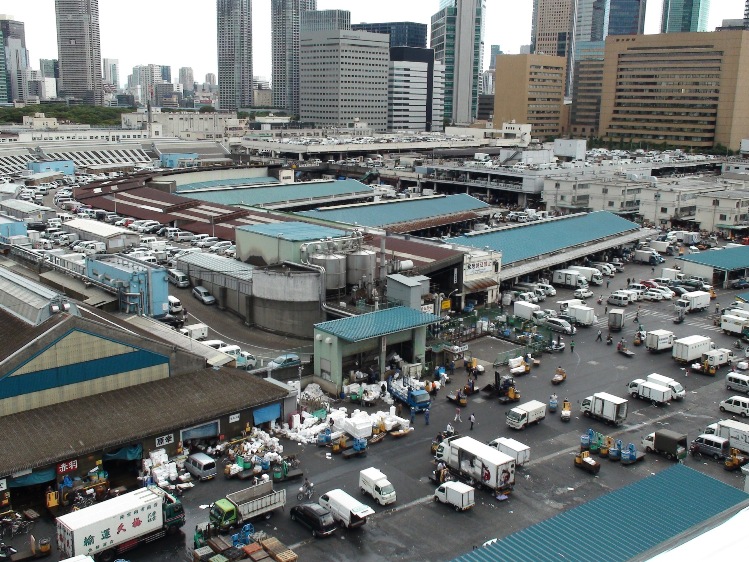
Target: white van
(178, 278)
(737, 381)
(175, 305)
(617, 299)
(201, 466)
(183, 236)
(736, 405)
(197, 238)
(633, 295)
(348, 511)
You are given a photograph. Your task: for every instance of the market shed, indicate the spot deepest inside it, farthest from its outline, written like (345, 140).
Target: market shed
(660, 509)
(345, 345)
(719, 266)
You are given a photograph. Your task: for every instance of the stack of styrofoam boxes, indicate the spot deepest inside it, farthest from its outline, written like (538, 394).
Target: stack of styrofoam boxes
(358, 425)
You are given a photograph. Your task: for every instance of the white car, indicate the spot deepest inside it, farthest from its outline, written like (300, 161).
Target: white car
(665, 291)
(218, 246)
(652, 295)
(583, 293)
(559, 325)
(207, 242)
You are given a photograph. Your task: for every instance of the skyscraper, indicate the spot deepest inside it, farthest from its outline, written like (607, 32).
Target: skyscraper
(50, 68)
(494, 50)
(210, 79)
(402, 33)
(285, 31)
(458, 42)
(79, 50)
(3, 74)
(187, 79)
(16, 57)
(234, 31)
(684, 15)
(627, 17)
(166, 73)
(552, 31)
(112, 72)
(411, 90)
(324, 20)
(746, 15)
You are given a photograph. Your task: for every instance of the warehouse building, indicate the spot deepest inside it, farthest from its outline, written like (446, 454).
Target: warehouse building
(719, 267)
(116, 238)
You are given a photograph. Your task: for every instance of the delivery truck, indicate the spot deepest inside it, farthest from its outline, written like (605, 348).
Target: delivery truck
(650, 257)
(107, 529)
(522, 416)
(525, 310)
(713, 360)
(591, 274)
(605, 407)
(733, 324)
(659, 340)
(690, 348)
(456, 494)
(616, 319)
(568, 278)
(244, 505)
(663, 247)
(565, 304)
(374, 483)
(195, 331)
(517, 450)
(736, 432)
(677, 390)
(583, 315)
(645, 390)
(406, 391)
(670, 444)
(469, 459)
(694, 301)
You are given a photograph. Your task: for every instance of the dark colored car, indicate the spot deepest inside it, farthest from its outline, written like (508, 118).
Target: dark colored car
(740, 284)
(679, 290)
(173, 321)
(314, 517)
(153, 229)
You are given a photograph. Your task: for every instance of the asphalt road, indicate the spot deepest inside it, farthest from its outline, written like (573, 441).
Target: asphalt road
(418, 529)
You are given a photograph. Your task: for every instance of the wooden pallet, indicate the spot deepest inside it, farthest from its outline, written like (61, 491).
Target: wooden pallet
(278, 551)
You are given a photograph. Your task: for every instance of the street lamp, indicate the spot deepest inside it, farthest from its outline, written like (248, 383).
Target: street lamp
(656, 197)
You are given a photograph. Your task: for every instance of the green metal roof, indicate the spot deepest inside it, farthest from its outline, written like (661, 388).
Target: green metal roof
(263, 195)
(376, 324)
(294, 231)
(620, 525)
(399, 211)
(728, 259)
(233, 182)
(537, 239)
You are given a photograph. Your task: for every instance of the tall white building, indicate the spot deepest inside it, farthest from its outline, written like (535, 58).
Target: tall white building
(79, 50)
(343, 76)
(187, 79)
(325, 20)
(234, 31)
(142, 82)
(411, 90)
(112, 72)
(285, 31)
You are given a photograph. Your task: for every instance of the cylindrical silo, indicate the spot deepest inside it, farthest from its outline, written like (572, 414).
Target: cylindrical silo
(360, 265)
(335, 269)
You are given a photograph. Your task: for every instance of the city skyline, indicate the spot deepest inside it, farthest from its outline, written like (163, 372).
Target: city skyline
(191, 41)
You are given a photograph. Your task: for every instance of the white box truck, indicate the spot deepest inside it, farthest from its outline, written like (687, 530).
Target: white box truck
(616, 319)
(569, 278)
(690, 348)
(733, 324)
(605, 407)
(456, 494)
(659, 340)
(525, 414)
(468, 458)
(693, 301)
(656, 393)
(517, 450)
(377, 485)
(195, 331)
(564, 305)
(736, 432)
(117, 525)
(347, 510)
(590, 274)
(525, 310)
(677, 390)
(583, 315)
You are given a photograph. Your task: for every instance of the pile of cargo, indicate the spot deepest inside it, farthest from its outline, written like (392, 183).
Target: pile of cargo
(305, 427)
(261, 549)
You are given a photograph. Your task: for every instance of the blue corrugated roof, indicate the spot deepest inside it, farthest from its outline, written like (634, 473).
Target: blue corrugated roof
(728, 259)
(294, 231)
(621, 524)
(233, 182)
(260, 195)
(395, 212)
(525, 242)
(376, 324)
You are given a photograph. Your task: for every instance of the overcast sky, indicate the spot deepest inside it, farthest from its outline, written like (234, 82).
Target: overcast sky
(183, 33)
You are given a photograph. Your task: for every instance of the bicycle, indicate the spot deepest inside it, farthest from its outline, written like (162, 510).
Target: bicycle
(306, 492)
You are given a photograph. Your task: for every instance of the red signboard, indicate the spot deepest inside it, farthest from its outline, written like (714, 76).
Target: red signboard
(65, 467)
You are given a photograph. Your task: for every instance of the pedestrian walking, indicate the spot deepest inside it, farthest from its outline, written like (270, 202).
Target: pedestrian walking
(637, 315)
(652, 269)
(413, 415)
(572, 346)
(472, 419)
(627, 281)
(605, 309)
(399, 410)
(457, 415)
(426, 416)
(599, 337)
(452, 368)
(608, 283)
(717, 308)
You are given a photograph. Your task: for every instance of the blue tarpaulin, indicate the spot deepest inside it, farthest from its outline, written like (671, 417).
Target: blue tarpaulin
(266, 413)
(201, 432)
(36, 477)
(130, 453)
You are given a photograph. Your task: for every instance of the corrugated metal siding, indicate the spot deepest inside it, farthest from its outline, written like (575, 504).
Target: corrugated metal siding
(621, 524)
(375, 324)
(524, 242)
(728, 259)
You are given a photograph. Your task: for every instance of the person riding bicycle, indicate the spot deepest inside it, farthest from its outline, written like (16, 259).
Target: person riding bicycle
(307, 486)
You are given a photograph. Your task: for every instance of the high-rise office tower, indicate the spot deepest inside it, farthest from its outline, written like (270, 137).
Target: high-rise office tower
(402, 33)
(627, 17)
(411, 90)
(166, 73)
(494, 50)
(234, 31)
(3, 75)
(285, 30)
(746, 15)
(343, 76)
(210, 79)
(684, 15)
(187, 79)
(458, 42)
(79, 50)
(324, 20)
(112, 72)
(16, 57)
(552, 31)
(49, 68)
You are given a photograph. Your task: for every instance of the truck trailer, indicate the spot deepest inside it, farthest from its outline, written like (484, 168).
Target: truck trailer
(517, 450)
(472, 460)
(690, 348)
(244, 505)
(605, 407)
(659, 340)
(646, 390)
(670, 444)
(677, 390)
(569, 278)
(590, 274)
(694, 301)
(736, 432)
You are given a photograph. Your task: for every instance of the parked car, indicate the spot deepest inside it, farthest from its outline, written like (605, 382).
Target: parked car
(666, 292)
(559, 325)
(740, 284)
(230, 252)
(679, 290)
(174, 321)
(218, 246)
(285, 360)
(652, 295)
(207, 242)
(649, 283)
(202, 294)
(583, 293)
(315, 517)
(249, 359)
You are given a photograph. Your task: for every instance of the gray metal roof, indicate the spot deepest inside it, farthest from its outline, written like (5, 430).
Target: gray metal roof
(23, 206)
(294, 231)
(28, 300)
(99, 228)
(620, 525)
(220, 264)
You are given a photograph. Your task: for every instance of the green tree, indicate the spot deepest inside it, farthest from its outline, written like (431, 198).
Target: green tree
(207, 109)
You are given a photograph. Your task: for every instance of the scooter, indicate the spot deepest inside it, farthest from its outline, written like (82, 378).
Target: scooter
(609, 340)
(738, 344)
